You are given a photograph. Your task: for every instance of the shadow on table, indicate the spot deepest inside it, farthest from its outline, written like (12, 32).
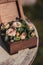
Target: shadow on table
(2, 45)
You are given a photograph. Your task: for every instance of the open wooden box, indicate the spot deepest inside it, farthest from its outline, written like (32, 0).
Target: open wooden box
(9, 10)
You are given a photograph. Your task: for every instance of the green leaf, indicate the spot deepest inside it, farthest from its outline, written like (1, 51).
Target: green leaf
(17, 38)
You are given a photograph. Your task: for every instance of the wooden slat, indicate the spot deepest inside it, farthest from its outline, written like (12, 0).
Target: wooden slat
(11, 0)
(3, 1)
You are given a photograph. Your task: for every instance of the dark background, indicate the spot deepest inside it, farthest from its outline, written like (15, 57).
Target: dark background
(35, 14)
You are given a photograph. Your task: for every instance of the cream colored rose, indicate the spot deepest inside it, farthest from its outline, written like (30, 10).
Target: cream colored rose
(16, 24)
(23, 35)
(11, 32)
(7, 26)
(33, 34)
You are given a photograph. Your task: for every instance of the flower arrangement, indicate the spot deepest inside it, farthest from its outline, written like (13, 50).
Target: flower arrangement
(14, 31)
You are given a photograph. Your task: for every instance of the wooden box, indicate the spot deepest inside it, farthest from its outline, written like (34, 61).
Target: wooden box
(16, 46)
(9, 11)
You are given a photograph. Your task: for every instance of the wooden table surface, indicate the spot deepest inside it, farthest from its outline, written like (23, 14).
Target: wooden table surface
(23, 57)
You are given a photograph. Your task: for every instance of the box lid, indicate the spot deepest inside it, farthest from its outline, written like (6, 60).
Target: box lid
(8, 11)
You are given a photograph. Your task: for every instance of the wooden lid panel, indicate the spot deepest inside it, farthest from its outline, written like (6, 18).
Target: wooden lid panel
(8, 11)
